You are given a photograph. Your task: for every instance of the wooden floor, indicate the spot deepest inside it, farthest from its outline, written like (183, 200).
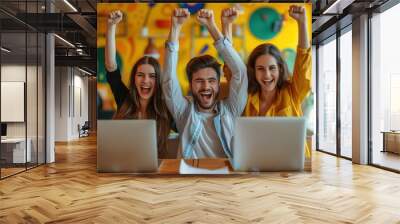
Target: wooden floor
(70, 191)
(5, 172)
(387, 159)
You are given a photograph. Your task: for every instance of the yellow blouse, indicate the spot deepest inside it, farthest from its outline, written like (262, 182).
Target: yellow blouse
(289, 98)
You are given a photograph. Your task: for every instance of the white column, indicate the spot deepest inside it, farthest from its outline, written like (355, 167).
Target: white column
(50, 93)
(360, 90)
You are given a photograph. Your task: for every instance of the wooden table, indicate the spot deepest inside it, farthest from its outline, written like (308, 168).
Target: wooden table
(172, 166)
(391, 141)
(14, 152)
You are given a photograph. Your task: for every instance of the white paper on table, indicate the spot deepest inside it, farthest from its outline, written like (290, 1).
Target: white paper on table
(185, 168)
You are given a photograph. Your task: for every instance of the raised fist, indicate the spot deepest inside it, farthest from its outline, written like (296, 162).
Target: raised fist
(179, 16)
(229, 15)
(298, 13)
(115, 17)
(205, 17)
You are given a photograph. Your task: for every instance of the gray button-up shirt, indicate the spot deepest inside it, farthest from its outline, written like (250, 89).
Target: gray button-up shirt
(184, 111)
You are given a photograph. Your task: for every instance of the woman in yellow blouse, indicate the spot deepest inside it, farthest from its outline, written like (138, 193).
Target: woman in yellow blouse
(271, 91)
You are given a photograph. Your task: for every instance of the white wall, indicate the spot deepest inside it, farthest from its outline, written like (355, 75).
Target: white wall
(80, 110)
(62, 81)
(71, 102)
(15, 73)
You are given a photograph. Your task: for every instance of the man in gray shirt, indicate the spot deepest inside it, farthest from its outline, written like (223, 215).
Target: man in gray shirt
(205, 124)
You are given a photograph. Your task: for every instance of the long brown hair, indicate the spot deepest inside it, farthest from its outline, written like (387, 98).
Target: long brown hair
(156, 109)
(272, 50)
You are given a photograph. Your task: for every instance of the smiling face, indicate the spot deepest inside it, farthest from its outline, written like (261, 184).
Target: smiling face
(267, 72)
(203, 74)
(145, 81)
(266, 69)
(205, 88)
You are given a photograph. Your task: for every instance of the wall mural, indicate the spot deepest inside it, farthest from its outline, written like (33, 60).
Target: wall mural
(265, 23)
(145, 27)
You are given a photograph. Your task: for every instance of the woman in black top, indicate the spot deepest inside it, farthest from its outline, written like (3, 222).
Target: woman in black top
(143, 99)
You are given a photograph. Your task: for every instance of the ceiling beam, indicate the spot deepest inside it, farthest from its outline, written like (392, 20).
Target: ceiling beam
(81, 61)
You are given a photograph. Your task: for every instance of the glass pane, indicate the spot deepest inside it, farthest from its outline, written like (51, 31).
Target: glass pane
(346, 94)
(386, 89)
(21, 66)
(31, 97)
(13, 87)
(327, 97)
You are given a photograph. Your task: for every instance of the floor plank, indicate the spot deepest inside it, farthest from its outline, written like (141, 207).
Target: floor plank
(70, 191)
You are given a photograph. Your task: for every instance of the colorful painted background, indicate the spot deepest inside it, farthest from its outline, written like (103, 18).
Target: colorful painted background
(257, 23)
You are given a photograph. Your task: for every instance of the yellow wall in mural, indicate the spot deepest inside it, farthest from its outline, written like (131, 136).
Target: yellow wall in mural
(131, 43)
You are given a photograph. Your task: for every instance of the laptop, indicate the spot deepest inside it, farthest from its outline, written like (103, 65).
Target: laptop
(127, 146)
(269, 144)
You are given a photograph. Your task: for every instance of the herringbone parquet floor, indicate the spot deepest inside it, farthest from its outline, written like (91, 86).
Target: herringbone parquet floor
(70, 191)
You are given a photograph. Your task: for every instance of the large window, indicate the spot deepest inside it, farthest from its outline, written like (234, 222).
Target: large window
(335, 74)
(385, 89)
(22, 78)
(346, 93)
(327, 96)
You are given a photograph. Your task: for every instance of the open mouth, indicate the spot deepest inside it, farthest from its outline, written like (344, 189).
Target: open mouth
(206, 95)
(145, 89)
(268, 81)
